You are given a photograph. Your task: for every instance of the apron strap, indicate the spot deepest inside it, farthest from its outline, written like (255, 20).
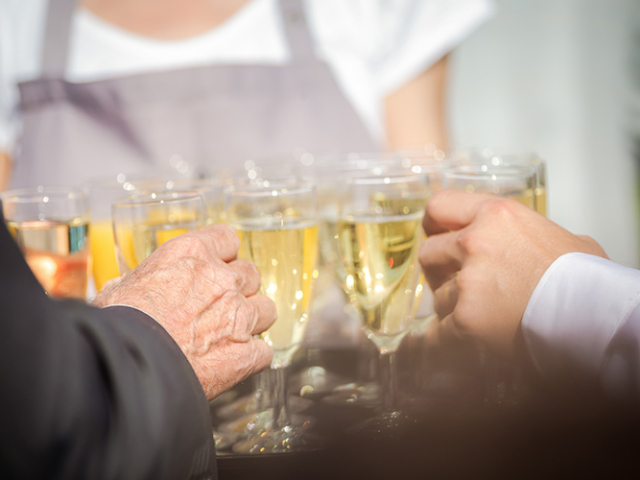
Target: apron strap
(55, 46)
(296, 28)
(57, 31)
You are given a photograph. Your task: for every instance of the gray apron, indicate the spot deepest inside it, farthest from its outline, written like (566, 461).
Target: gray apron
(211, 117)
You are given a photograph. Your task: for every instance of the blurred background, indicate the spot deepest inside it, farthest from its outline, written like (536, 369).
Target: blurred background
(561, 77)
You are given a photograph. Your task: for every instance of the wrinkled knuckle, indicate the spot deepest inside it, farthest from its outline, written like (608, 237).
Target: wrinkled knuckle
(248, 273)
(250, 315)
(234, 278)
(227, 234)
(227, 279)
(263, 354)
(243, 326)
(253, 271)
(191, 243)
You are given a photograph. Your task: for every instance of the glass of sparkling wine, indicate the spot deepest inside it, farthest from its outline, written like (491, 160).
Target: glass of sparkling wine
(276, 221)
(143, 222)
(212, 192)
(50, 224)
(498, 158)
(363, 390)
(250, 413)
(516, 182)
(380, 231)
(102, 193)
(519, 182)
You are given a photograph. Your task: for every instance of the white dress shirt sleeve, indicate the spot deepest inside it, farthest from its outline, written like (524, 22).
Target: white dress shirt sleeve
(583, 319)
(414, 34)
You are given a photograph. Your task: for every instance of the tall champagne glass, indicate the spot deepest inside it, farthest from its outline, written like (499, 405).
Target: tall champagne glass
(50, 224)
(516, 182)
(143, 222)
(380, 230)
(503, 383)
(361, 391)
(277, 225)
(212, 192)
(101, 193)
(248, 414)
(497, 158)
(433, 164)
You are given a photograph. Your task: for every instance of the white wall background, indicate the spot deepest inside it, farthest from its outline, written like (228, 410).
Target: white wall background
(554, 76)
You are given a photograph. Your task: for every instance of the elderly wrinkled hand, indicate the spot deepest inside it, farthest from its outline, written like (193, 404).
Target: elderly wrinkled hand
(483, 257)
(206, 299)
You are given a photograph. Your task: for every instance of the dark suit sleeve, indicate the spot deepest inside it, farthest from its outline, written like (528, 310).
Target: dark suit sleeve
(92, 393)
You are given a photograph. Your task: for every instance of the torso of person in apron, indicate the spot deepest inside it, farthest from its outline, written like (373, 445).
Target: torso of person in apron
(208, 118)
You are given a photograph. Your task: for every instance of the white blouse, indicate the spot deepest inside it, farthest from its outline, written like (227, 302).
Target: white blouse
(372, 46)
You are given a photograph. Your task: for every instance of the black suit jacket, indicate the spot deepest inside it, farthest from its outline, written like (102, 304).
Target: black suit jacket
(92, 393)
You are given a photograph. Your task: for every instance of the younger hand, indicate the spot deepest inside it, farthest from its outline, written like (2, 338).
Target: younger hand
(483, 258)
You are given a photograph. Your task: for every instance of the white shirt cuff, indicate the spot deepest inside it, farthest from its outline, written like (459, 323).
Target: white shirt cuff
(576, 308)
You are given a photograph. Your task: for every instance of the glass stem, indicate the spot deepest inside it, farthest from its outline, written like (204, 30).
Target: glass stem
(389, 380)
(262, 389)
(279, 398)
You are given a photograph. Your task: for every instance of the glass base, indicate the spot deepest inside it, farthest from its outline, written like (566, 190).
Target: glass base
(239, 407)
(386, 426)
(224, 440)
(289, 439)
(315, 381)
(248, 424)
(355, 395)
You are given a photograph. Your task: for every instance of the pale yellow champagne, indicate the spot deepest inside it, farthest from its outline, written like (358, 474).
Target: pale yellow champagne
(527, 197)
(57, 252)
(399, 204)
(103, 255)
(330, 251)
(137, 242)
(286, 258)
(541, 200)
(381, 260)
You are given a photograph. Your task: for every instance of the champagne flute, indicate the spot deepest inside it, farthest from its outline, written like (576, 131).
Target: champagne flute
(212, 192)
(334, 320)
(277, 225)
(503, 383)
(101, 194)
(250, 413)
(433, 164)
(496, 158)
(380, 230)
(363, 390)
(143, 222)
(516, 182)
(50, 224)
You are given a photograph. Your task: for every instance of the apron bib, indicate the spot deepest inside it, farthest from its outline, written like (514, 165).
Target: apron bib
(211, 117)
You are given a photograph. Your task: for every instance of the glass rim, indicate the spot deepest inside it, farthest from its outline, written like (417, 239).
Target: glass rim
(280, 187)
(479, 155)
(151, 198)
(491, 171)
(40, 192)
(370, 177)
